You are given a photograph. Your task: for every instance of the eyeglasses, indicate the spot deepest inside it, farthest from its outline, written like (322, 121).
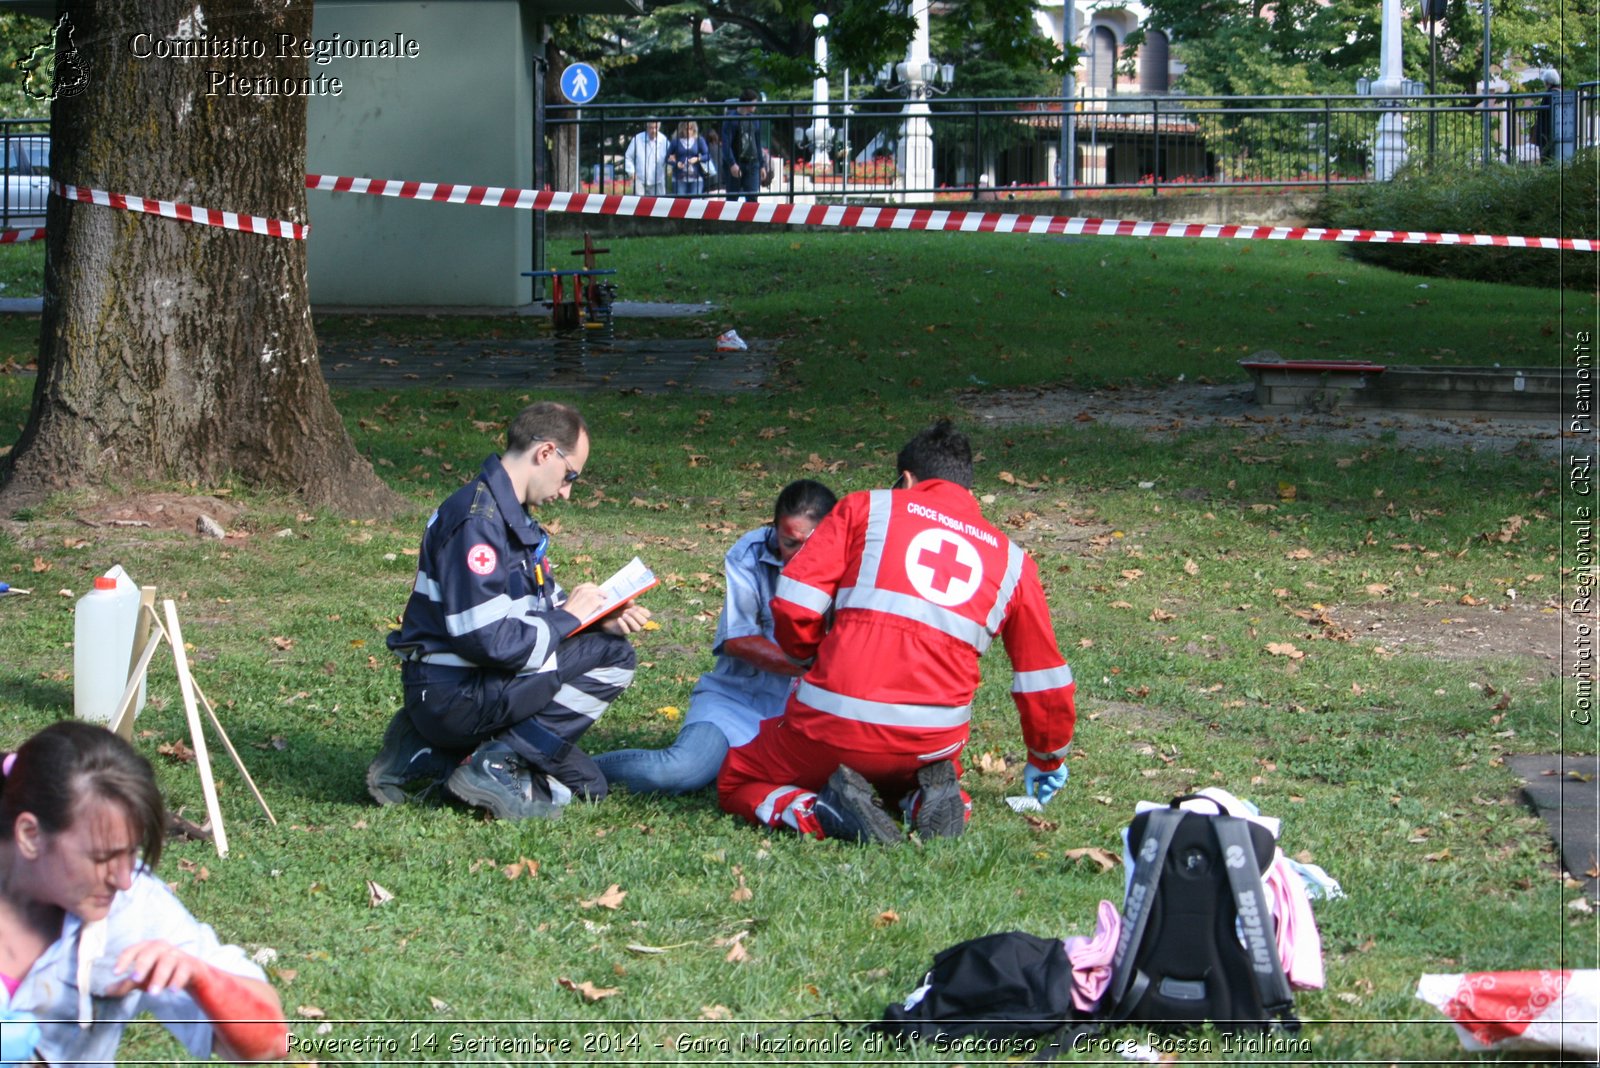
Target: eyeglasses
(571, 476)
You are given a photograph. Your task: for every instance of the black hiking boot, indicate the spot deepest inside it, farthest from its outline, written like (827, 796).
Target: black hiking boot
(849, 808)
(497, 779)
(941, 813)
(406, 757)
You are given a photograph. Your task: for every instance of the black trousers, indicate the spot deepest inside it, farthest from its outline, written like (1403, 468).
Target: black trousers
(539, 715)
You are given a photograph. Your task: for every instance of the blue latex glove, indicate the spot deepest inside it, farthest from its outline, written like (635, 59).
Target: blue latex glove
(1042, 785)
(19, 1034)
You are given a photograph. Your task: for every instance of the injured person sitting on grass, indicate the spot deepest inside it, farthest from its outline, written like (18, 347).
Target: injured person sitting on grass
(896, 594)
(499, 683)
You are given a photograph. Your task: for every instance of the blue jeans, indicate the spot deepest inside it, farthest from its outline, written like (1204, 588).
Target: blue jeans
(689, 763)
(689, 187)
(748, 185)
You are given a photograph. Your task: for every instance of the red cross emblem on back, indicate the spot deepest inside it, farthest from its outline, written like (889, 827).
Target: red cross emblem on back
(946, 565)
(481, 559)
(943, 567)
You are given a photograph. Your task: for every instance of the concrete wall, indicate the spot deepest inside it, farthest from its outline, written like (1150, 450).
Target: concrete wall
(462, 111)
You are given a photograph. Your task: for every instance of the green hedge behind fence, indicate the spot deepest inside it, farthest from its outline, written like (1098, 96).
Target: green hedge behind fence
(1528, 201)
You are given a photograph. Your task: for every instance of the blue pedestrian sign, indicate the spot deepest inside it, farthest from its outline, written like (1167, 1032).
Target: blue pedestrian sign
(580, 83)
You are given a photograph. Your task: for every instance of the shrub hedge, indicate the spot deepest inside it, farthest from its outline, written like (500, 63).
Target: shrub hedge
(1528, 201)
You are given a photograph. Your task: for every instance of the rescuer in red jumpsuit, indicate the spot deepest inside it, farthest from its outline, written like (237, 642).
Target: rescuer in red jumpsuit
(896, 595)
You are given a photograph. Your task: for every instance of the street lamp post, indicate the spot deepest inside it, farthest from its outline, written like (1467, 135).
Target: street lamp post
(1433, 11)
(1486, 88)
(819, 95)
(916, 140)
(1389, 148)
(918, 77)
(1069, 119)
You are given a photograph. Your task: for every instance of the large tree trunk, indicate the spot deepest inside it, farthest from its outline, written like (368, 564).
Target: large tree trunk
(171, 350)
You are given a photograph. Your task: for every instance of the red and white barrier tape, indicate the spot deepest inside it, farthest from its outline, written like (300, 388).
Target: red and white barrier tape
(902, 218)
(840, 215)
(230, 220)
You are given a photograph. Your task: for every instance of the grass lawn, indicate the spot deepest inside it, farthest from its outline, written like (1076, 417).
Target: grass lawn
(1202, 587)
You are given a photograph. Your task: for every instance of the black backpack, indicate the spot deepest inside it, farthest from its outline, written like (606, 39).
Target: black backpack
(1195, 891)
(1005, 985)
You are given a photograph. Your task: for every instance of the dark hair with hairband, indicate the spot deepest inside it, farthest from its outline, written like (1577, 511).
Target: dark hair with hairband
(57, 769)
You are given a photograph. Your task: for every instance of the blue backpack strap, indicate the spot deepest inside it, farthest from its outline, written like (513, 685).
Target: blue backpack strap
(1255, 918)
(1127, 987)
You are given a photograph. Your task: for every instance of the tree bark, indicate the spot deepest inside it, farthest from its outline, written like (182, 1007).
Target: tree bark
(564, 176)
(170, 350)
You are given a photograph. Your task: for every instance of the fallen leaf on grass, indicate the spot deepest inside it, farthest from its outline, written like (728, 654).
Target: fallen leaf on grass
(740, 892)
(439, 1004)
(736, 951)
(1298, 554)
(1161, 616)
(1510, 526)
(589, 991)
(1039, 823)
(377, 895)
(1285, 649)
(310, 1012)
(989, 764)
(176, 751)
(885, 918)
(1103, 858)
(283, 643)
(1191, 568)
(611, 899)
(522, 866)
(198, 870)
(1443, 854)
(715, 1012)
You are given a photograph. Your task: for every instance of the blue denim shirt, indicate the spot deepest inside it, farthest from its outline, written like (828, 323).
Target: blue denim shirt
(735, 695)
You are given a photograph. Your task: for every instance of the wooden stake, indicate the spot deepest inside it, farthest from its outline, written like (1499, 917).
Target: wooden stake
(197, 735)
(153, 633)
(234, 753)
(139, 661)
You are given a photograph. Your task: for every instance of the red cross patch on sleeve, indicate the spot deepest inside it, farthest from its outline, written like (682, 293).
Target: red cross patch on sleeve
(481, 559)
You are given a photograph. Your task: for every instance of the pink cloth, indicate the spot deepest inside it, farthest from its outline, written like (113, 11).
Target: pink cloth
(1091, 958)
(1299, 941)
(11, 984)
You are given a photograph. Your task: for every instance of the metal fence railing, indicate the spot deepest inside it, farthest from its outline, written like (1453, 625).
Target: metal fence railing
(894, 149)
(961, 149)
(25, 171)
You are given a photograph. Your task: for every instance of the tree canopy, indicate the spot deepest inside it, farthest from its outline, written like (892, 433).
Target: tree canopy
(710, 49)
(1246, 47)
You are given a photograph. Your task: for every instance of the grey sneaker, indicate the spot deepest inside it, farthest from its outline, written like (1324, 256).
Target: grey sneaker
(941, 813)
(849, 808)
(406, 757)
(497, 779)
